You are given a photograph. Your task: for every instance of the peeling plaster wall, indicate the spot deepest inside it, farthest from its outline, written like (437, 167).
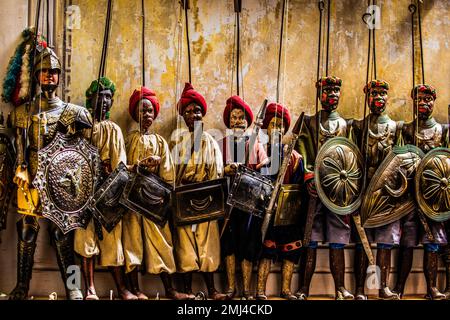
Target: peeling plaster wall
(211, 28)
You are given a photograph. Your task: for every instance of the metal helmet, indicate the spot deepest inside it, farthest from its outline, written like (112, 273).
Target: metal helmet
(46, 59)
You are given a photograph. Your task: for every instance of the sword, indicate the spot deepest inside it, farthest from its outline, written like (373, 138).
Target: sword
(280, 177)
(312, 204)
(363, 237)
(253, 138)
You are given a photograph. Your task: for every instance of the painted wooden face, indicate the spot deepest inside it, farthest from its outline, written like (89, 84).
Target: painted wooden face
(238, 121)
(377, 99)
(425, 103)
(191, 114)
(146, 114)
(104, 104)
(330, 97)
(276, 126)
(48, 79)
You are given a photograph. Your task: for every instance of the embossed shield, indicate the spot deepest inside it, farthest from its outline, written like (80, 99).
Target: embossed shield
(66, 178)
(149, 195)
(250, 191)
(105, 205)
(288, 205)
(339, 175)
(432, 184)
(388, 196)
(198, 202)
(7, 159)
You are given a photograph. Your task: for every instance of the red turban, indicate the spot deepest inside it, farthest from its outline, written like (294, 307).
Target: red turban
(138, 95)
(280, 111)
(189, 96)
(235, 102)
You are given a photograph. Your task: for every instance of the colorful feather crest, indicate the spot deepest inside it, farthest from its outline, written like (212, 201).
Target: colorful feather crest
(16, 86)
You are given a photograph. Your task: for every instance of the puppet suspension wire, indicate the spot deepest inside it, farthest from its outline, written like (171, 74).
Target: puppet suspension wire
(280, 51)
(237, 10)
(101, 71)
(328, 35)
(186, 8)
(321, 6)
(143, 42)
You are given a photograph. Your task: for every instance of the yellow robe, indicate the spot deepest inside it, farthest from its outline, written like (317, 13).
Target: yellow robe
(197, 247)
(108, 138)
(141, 236)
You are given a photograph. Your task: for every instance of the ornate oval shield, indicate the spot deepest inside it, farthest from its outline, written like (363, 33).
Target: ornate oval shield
(432, 184)
(338, 174)
(66, 176)
(388, 196)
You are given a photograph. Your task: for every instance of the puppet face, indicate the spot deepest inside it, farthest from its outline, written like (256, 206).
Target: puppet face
(48, 79)
(147, 114)
(425, 102)
(275, 127)
(330, 97)
(104, 103)
(378, 98)
(191, 114)
(238, 121)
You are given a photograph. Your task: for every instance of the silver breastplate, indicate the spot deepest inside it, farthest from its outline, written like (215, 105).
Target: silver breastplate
(429, 138)
(44, 124)
(380, 141)
(332, 128)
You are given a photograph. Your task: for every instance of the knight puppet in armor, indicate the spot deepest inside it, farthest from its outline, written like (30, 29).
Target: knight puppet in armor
(107, 137)
(326, 225)
(381, 135)
(427, 134)
(147, 243)
(283, 240)
(197, 158)
(241, 238)
(36, 125)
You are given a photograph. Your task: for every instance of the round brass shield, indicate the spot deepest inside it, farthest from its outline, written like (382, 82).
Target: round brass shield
(432, 184)
(338, 175)
(388, 196)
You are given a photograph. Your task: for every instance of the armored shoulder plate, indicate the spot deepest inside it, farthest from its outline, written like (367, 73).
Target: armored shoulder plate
(20, 117)
(76, 114)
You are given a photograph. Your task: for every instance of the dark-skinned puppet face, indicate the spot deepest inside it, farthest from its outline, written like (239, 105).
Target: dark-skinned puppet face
(191, 106)
(99, 97)
(144, 107)
(424, 97)
(329, 89)
(377, 95)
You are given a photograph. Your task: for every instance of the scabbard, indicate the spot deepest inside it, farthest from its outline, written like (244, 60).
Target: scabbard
(425, 225)
(265, 224)
(312, 204)
(363, 237)
(226, 220)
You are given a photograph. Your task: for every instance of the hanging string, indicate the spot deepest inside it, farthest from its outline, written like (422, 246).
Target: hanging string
(321, 6)
(280, 51)
(421, 44)
(328, 35)
(31, 86)
(186, 8)
(237, 10)
(49, 35)
(363, 146)
(143, 42)
(412, 9)
(233, 56)
(285, 51)
(374, 49)
(101, 71)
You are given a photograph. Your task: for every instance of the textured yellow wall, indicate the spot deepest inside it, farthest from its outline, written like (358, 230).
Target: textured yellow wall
(211, 32)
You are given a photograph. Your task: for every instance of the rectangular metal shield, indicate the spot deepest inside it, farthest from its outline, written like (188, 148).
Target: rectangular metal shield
(288, 205)
(147, 194)
(199, 202)
(250, 191)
